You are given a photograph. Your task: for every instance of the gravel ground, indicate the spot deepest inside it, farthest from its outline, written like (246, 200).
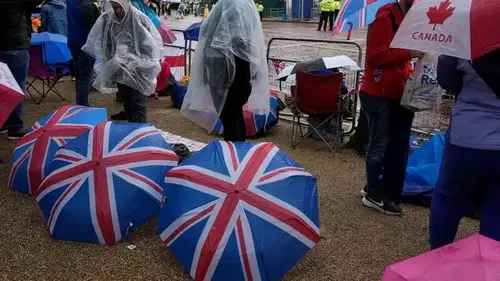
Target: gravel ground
(357, 242)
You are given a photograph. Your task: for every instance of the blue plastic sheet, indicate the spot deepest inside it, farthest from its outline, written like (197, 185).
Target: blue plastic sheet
(423, 171)
(192, 32)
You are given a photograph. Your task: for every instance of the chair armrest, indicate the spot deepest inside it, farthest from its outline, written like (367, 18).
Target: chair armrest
(351, 93)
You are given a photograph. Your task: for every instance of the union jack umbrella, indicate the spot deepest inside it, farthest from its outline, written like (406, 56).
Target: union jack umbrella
(34, 152)
(256, 123)
(105, 183)
(239, 211)
(10, 93)
(357, 14)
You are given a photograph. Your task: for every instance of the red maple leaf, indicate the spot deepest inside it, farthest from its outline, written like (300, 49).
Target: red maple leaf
(437, 15)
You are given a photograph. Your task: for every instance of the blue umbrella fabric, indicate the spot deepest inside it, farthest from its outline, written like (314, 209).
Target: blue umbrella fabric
(34, 152)
(55, 47)
(239, 211)
(422, 172)
(192, 32)
(358, 13)
(105, 183)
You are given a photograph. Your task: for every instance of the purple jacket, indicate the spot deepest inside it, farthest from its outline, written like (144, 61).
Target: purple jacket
(475, 120)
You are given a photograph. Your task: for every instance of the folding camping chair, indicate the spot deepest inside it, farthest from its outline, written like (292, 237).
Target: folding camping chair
(317, 95)
(38, 71)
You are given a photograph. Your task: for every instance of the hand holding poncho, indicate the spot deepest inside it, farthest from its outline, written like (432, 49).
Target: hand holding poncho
(127, 47)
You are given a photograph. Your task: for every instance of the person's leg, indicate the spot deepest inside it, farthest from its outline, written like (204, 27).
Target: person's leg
(330, 19)
(18, 63)
(490, 214)
(461, 174)
(394, 173)
(135, 104)
(321, 19)
(377, 111)
(83, 65)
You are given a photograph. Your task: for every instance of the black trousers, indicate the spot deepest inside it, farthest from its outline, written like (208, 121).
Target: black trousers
(134, 104)
(331, 18)
(323, 18)
(238, 94)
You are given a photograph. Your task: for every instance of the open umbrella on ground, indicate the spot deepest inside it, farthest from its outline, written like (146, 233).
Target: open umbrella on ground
(288, 73)
(34, 152)
(459, 28)
(475, 258)
(257, 124)
(54, 46)
(239, 211)
(105, 183)
(10, 93)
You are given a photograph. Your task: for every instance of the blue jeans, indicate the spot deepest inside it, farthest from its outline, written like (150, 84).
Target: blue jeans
(83, 64)
(389, 129)
(18, 62)
(466, 174)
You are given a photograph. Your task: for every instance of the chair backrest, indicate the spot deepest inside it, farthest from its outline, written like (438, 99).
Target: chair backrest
(36, 67)
(317, 94)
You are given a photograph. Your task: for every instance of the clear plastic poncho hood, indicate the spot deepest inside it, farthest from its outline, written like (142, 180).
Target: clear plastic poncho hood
(232, 29)
(127, 49)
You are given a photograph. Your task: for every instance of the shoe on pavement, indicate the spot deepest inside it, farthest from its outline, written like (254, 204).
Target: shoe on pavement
(73, 79)
(3, 131)
(16, 135)
(120, 116)
(384, 206)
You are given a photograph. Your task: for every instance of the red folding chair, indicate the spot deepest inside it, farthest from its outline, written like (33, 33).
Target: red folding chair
(317, 95)
(38, 71)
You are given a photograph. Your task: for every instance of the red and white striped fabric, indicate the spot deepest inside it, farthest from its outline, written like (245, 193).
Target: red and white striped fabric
(461, 28)
(10, 93)
(176, 60)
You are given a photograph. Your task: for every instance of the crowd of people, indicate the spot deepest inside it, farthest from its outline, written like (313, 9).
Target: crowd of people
(230, 70)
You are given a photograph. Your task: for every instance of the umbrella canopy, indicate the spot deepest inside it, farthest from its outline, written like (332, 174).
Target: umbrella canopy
(256, 123)
(10, 93)
(458, 28)
(475, 258)
(288, 73)
(105, 183)
(239, 211)
(167, 35)
(357, 14)
(192, 32)
(35, 151)
(55, 47)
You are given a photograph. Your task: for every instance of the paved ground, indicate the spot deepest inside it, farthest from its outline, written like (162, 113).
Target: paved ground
(356, 244)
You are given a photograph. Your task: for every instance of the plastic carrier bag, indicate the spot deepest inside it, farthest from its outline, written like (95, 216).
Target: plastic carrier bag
(422, 91)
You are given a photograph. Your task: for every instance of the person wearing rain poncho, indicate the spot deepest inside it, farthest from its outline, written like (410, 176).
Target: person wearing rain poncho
(127, 47)
(229, 69)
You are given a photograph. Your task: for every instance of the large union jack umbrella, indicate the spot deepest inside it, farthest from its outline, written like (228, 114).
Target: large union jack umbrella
(34, 152)
(239, 211)
(105, 183)
(357, 14)
(256, 123)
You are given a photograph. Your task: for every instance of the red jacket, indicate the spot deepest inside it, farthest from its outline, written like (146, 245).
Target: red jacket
(386, 69)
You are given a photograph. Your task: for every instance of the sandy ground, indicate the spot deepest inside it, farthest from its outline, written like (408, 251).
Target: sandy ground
(357, 243)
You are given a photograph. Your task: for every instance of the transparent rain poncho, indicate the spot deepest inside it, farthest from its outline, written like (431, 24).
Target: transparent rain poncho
(232, 29)
(127, 50)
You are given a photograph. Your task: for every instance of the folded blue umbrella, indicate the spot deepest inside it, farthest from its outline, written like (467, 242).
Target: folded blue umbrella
(55, 47)
(192, 32)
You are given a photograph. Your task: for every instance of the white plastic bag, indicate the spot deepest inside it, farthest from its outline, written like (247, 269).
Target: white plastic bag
(422, 91)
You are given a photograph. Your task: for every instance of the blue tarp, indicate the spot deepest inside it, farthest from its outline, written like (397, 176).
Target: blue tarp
(423, 171)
